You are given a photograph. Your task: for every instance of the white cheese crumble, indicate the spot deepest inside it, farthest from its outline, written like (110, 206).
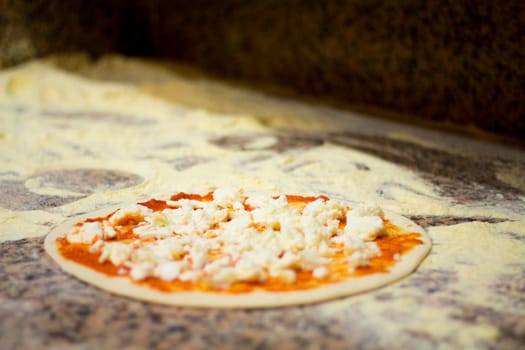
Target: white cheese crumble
(235, 238)
(88, 233)
(366, 222)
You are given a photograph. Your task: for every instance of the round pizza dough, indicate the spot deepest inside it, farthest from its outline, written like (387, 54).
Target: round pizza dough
(258, 299)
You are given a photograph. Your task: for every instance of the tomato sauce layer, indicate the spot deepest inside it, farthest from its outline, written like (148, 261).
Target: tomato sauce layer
(394, 245)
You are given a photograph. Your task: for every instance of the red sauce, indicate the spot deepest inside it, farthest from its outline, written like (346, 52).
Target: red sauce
(305, 199)
(99, 219)
(80, 253)
(155, 204)
(396, 242)
(181, 195)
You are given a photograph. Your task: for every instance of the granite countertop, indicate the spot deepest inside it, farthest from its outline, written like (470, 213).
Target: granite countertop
(468, 194)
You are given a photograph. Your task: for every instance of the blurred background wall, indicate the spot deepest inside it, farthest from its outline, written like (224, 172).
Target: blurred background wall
(460, 63)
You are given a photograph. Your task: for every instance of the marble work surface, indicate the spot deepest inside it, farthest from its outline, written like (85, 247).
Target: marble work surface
(61, 155)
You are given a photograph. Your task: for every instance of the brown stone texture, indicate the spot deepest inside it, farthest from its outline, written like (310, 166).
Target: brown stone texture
(460, 62)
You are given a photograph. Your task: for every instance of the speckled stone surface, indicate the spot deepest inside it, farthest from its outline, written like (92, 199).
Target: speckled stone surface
(450, 61)
(42, 307)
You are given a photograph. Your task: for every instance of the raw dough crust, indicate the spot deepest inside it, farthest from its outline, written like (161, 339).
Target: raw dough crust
(259, 299)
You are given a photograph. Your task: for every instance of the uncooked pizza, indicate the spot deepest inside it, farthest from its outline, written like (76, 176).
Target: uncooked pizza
(230, 248)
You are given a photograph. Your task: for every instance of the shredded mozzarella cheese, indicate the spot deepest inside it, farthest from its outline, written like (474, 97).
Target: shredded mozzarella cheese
(234, 238)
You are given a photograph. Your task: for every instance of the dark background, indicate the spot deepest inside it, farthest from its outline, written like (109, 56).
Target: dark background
(456, 63)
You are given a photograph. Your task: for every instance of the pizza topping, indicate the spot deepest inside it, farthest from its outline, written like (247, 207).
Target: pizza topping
(117, 253)
(227, 237)
(170, 270)
(89, 233)
(320, 272)
(365, 222)
(129, 215)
